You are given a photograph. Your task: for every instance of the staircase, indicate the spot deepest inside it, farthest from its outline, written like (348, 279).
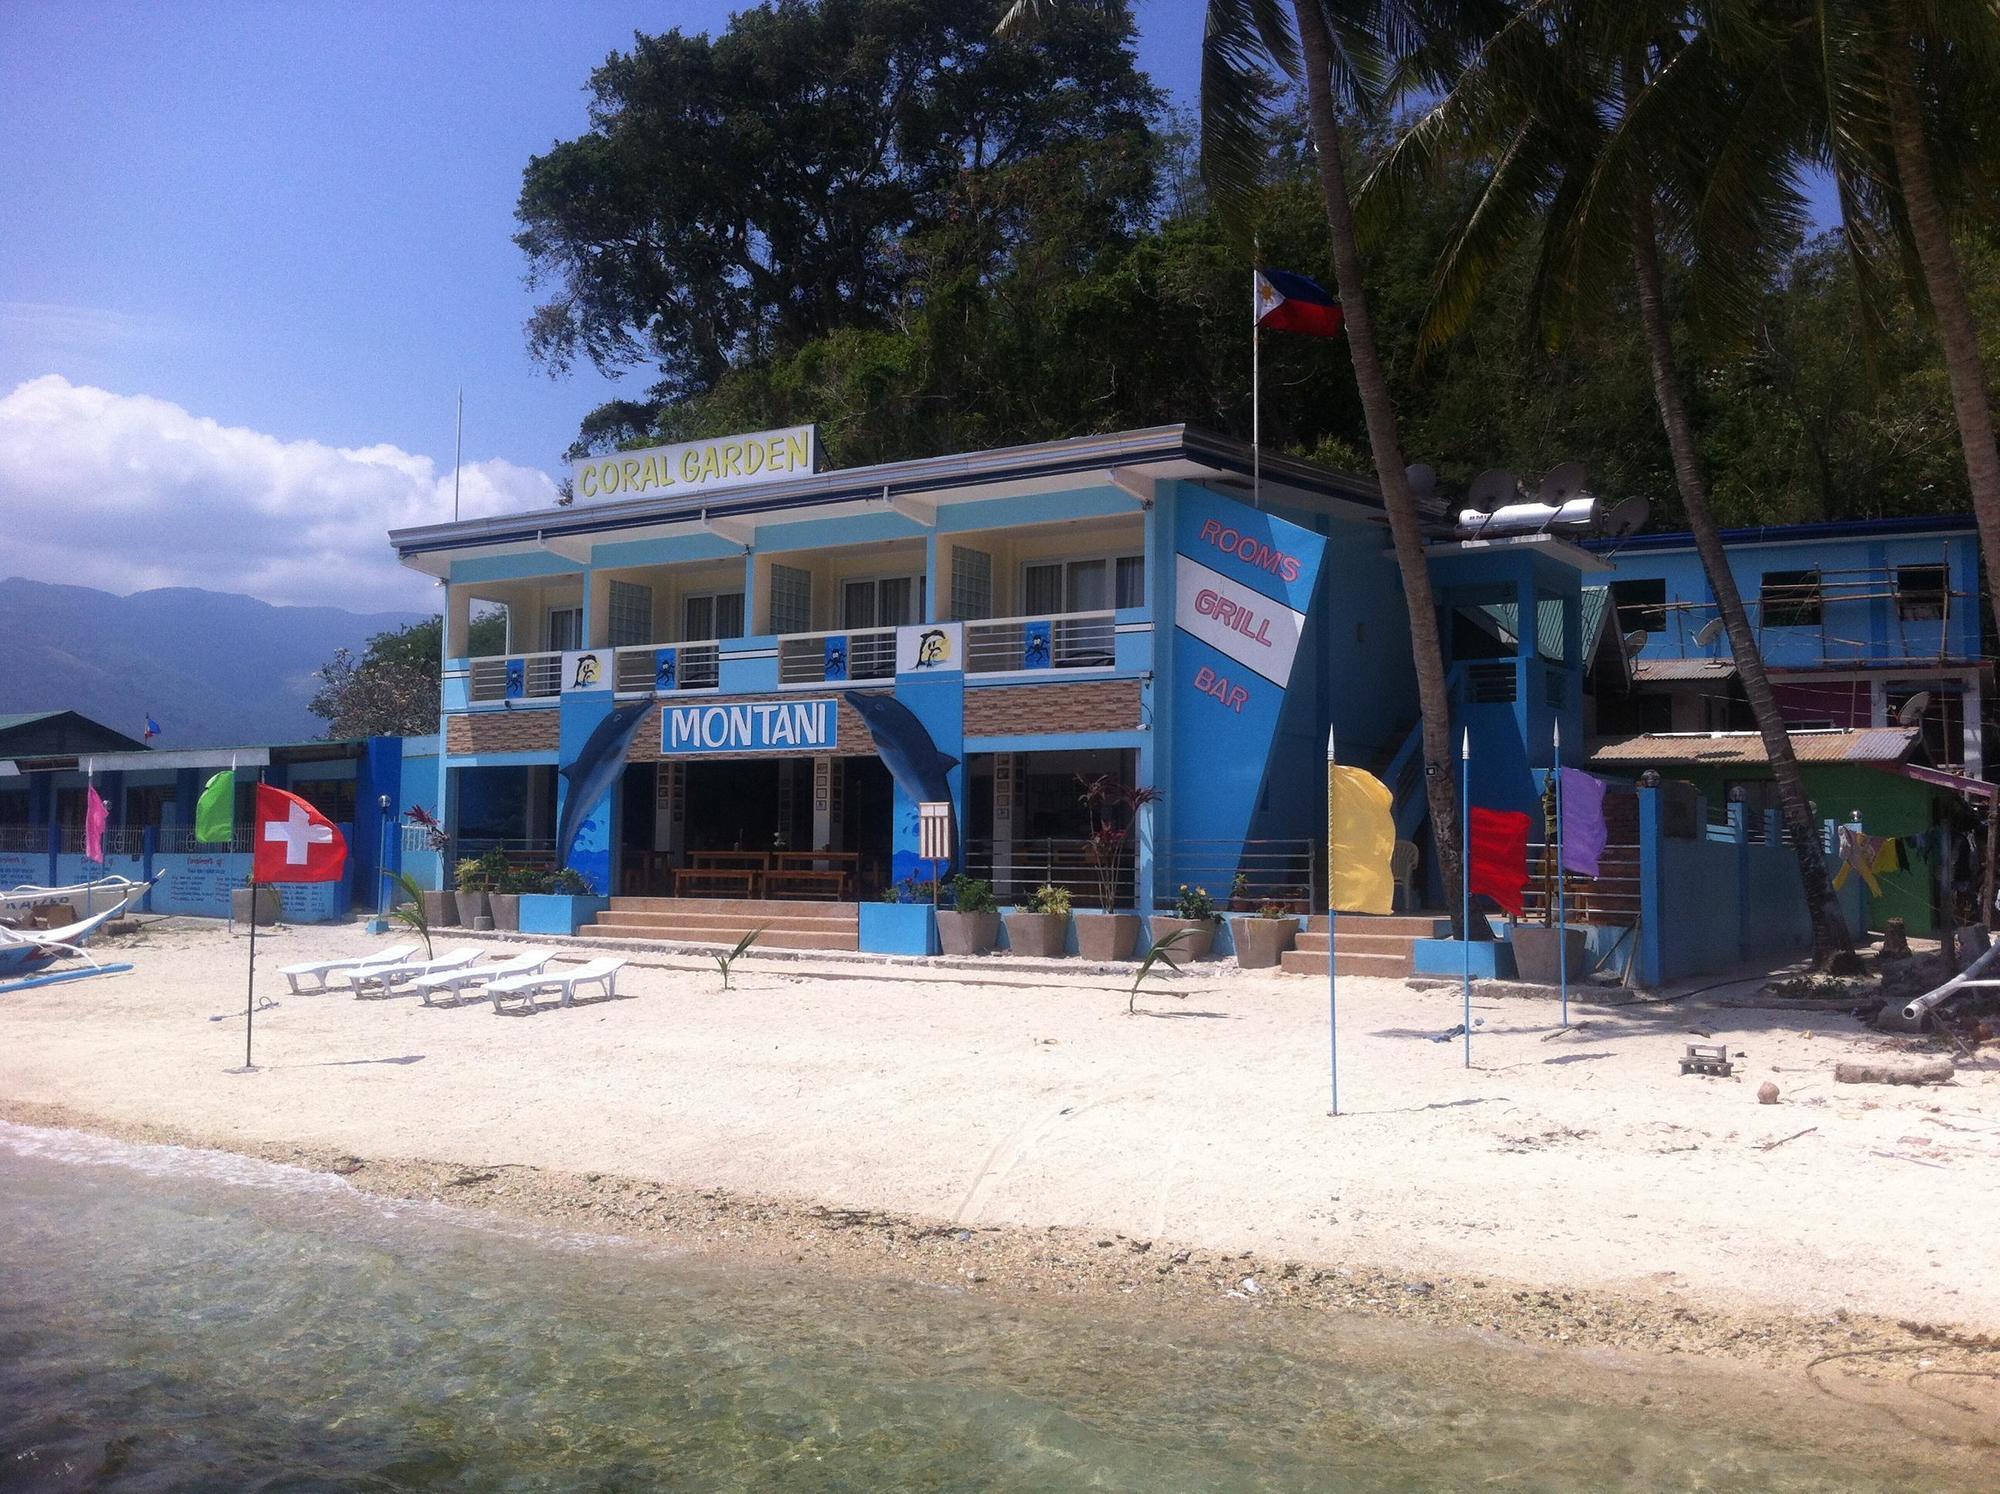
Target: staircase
(1369, 944)
(786, 923)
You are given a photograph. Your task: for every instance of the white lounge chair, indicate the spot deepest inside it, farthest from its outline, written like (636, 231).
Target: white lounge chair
(319, 970)
(388, 977)
(528, 962)
(597, 973)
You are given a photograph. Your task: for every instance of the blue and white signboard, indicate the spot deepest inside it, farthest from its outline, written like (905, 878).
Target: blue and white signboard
(760, 726)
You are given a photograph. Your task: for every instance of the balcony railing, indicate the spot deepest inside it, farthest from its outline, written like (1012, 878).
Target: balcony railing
(822, 658)
(517, 677)
(665, 667)
(1077, 640)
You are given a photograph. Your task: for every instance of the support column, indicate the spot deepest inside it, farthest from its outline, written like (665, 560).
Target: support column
(1004, 784)
(829, 812)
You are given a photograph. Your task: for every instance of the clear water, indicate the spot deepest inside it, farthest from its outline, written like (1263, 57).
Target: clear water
(176, 1320)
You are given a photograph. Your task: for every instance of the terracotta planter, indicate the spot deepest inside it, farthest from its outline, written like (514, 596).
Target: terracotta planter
(1262, 942)
(506, 908)
(1536, 953)
(473, 906)
(967, 933)
(1107, 936)
(1040, 935)
(1198, 944)
(440, 910)
(270, 906)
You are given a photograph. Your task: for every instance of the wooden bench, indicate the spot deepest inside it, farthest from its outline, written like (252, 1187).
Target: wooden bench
(814, 884)
(710, 880)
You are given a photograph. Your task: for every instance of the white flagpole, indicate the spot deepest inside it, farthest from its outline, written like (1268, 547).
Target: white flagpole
(458, 453)
(1332, 969)
(1256, 397)
(1562, 914)
(1465, 875)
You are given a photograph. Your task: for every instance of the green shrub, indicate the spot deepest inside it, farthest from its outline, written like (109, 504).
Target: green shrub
(1194, 903)
(971, 894)
(1049, 900)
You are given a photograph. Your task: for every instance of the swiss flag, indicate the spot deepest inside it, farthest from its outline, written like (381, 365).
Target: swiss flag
(295, 842)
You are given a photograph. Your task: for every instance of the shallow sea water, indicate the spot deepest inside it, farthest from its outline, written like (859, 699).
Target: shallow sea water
(177, 1320)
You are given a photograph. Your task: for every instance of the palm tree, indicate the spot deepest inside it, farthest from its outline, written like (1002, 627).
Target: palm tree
(1340, 51)
(1612, 127)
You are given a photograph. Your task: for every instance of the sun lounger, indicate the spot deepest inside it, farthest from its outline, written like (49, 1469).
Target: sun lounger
(320, 970)
(523, 987)
(528, 962)
(388, 977)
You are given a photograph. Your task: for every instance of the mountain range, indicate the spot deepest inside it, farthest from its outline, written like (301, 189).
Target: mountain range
(213, 668)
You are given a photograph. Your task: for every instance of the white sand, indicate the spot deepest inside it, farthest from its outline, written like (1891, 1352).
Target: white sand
(1583, 1159)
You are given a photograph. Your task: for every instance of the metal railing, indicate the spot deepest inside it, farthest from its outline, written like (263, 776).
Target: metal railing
(524, 851)
(179, 840)
(1612, 897)
(695, 666)
(541, 675)
(1016, 868)
(1240, 874)
(125, 840)
(823, 658)
(1075, 640)
(24, 838)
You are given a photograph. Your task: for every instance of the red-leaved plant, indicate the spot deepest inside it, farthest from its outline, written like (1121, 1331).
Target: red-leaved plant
(1108, 803)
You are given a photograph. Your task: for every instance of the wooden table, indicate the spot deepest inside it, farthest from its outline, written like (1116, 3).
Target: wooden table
(709, 881)
(813, 870)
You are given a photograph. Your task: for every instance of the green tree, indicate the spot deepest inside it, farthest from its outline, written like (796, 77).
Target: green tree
(392, 690)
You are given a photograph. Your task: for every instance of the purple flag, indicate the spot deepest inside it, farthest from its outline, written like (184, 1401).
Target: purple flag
(1583, 832)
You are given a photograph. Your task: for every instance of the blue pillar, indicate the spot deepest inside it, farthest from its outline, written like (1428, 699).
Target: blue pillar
(1650, 900)
(939, 703)
(147, 851)
(596, 853)
(1739, 830)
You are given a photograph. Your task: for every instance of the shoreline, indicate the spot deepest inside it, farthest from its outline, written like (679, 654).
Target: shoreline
(1054, 1261)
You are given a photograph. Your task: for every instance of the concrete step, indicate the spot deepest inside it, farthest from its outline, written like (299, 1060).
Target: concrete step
(738, 921)
(1412, 925)
(1313, 962)
(723, 938)
(740, 907)
(1388, 944)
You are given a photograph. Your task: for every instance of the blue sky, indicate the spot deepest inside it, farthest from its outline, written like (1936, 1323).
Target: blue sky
(297, 217)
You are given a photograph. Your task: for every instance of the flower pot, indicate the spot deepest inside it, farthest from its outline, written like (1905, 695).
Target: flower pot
(967, 933)
(1107, 936)
(1537, 951)
(1200, 938)
(270, 905)
(1262, 942)
(440, 909)
(473, 906)
(506, 907)
(1042, 935)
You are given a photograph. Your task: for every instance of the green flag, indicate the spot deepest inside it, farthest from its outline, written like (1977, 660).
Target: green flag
(215, 814)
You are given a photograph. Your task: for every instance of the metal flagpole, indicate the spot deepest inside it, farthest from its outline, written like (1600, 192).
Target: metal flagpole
(458, 454)
(1332, 933)
(1465, 875)
(1562, 912)
(1256, 397)
(250, 988)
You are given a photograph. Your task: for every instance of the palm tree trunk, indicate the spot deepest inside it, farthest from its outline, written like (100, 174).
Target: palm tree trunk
(1379, 410)
(1970, 402)
(1830, 938)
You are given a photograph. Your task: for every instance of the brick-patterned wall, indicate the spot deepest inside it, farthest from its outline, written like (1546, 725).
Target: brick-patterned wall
(1020, 710)
(501, 731)
(852, 733)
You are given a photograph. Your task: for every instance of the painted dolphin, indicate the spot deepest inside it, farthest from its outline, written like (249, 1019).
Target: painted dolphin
(906, 749)
(595, 771)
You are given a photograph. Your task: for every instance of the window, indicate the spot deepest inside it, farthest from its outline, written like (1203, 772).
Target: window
(631, 614)
(880, 602)
(1920, 593)
(1094, 585)
(1641, 604)
(971, 584)
(791, 600)
(1129, 582)
(1790, 599)
(146, 807)
(565, 628)
(332, 797)
(712, 615)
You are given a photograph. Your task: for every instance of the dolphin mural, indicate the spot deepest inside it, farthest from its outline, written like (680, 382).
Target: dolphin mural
(596, 770)
(906, 749)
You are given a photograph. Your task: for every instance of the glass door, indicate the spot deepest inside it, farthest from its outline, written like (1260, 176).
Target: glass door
(565, 629)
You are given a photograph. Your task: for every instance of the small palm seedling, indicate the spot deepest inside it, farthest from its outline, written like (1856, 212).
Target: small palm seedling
(411, 914)
(723, 962)
(1160, 954)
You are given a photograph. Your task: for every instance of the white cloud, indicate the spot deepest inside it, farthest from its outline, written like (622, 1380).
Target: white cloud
(126, 492)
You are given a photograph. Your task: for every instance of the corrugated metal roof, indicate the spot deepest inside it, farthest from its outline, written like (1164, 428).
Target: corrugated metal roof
(22, 718)
(1659, 671)
(1874, 744)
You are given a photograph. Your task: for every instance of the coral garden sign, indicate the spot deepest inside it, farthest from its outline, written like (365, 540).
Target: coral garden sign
(699, 466)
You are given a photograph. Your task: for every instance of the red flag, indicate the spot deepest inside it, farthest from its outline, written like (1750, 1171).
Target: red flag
(1500, 856)
(295, 842)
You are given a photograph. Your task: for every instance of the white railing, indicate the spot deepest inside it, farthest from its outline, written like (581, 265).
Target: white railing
(179, 840)
(24, 838)
(1071, 640)
(124, 840)
(696, 666)
(541, 675)
(821, 658)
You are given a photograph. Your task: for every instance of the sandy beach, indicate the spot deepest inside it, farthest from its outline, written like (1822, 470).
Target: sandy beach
(1020, 1129)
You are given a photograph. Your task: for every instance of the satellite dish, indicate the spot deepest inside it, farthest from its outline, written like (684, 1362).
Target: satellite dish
(1493, 488)
(1912, 710)
(1627, 516)
(1422, 478)
(1561, 483)
(1635, 641)
(1708, 632)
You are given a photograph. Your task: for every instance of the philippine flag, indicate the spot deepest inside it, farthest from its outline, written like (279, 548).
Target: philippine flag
(1292, 303)
(152, 730)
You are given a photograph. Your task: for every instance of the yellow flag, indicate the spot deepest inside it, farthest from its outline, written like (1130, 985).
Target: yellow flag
(1360, 841)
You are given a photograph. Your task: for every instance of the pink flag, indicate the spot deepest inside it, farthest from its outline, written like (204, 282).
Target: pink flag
(95, 814)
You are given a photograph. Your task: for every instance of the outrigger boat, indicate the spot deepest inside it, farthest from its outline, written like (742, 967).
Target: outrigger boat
(18, 903)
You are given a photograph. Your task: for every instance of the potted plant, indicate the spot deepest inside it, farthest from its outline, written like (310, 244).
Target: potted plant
(265, 901)
(971, 925)
(1041, 928)
(440, 909)
(559, 902)
(509, 882)
(475, 884)
(1114, 814)
(1241, 899)
(1264, 936)
(1538, 947)
(1193, 916)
